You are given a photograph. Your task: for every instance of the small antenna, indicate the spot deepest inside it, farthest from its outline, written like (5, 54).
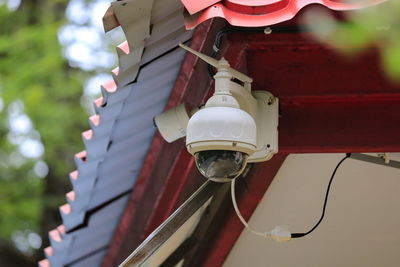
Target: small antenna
(220, 64)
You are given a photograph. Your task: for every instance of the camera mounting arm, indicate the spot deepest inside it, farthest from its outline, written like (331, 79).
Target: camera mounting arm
(222, 65)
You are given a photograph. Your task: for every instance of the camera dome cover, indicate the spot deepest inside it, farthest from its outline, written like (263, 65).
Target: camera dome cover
(221, 128)
(221, 165)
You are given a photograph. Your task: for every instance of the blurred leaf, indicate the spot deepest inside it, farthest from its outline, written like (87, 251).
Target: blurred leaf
(33, 69)
(391, 60)
(377, 26)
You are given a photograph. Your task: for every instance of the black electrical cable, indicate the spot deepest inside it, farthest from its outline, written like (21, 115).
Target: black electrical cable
(218, 37)
(298, 235)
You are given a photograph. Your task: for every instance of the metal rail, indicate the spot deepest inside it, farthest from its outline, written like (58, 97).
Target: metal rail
(375, 160)
(160, 235)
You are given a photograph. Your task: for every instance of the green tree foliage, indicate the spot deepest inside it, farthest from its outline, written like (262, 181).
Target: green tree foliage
(374, 26)
(37, 80)
(34, 72)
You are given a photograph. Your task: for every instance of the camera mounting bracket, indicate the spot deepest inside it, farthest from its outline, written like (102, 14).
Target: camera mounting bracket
(264, 108)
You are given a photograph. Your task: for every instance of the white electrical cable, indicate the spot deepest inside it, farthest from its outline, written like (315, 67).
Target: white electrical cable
(251, 229)
(280, 233)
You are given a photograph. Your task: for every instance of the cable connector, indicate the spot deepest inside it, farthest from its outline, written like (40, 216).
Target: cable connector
(215, 48)
(281, 234)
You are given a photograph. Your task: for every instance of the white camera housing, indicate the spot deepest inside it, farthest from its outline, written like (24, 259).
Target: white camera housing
(221, 128)
(251, 127)
(172, 124)
(234, 119)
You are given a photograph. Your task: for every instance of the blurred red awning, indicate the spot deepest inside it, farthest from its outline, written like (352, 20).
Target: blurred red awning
(258, 13)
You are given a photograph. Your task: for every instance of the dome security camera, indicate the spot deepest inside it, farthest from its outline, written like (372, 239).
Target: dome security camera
(235, 127)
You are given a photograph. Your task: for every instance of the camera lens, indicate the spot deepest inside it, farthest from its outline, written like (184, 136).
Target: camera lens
(220, 164)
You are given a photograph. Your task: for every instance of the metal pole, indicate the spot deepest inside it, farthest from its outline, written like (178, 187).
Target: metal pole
(160, 235)
(375, 160)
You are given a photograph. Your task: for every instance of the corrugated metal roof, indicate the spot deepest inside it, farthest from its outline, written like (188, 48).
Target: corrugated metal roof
(121, 130)
(258, 13)
(75, 246)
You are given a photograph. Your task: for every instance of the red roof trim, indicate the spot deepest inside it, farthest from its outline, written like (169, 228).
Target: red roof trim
(74, 175)
(48, 251)
(66, 209)
(71, 195)
(196, 6)
(55, 235)
(124, 47)
(44, 263)
(254, 14)
(110, 86)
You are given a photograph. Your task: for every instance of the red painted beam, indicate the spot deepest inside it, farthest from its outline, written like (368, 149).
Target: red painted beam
(335, 124)
(328, 103)
(175, 182)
